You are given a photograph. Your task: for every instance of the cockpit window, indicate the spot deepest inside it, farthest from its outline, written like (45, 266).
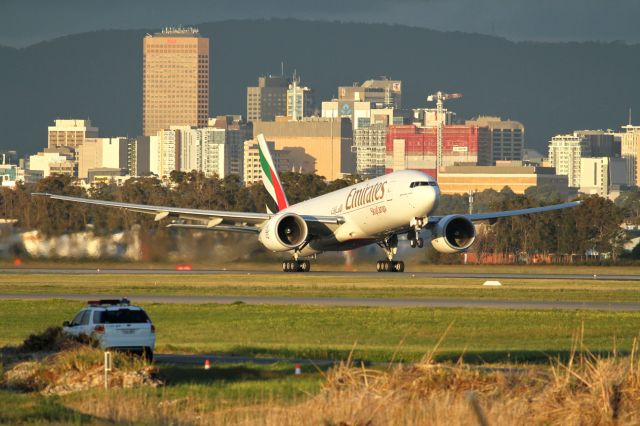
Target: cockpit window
(422, 183)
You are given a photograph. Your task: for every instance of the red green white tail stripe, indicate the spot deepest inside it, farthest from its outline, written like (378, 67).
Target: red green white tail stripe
(270, 178)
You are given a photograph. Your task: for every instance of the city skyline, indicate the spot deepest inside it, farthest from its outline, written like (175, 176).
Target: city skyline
(107, 88)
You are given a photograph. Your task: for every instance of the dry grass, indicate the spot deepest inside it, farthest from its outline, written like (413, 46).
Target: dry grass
(585, 390)
(53, 363)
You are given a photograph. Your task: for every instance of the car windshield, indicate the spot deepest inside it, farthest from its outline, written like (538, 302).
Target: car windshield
(121, 316)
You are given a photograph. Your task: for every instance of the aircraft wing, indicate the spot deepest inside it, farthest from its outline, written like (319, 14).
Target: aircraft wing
(207, 219)
(476, 217)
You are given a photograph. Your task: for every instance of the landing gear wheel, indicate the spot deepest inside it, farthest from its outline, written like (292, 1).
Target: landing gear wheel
(304, 266)
(413, 243)
(296, 266)
(398, 266)
(420, 242)
(390, 266)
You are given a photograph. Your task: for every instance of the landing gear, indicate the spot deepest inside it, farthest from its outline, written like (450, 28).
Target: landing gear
(390, 247)
(390, 266)
(414, 239)
(296, 266)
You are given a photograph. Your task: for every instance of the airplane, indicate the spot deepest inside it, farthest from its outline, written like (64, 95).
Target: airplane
(374, 211)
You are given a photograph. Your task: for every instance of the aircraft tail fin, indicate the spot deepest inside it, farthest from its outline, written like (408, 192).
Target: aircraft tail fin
(270, 178)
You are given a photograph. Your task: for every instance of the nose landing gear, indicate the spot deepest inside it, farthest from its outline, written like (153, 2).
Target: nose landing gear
(414, 239)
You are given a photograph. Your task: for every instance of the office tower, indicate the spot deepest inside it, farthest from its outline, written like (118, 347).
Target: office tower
(268, 99)
(507, 137)
(175, 82)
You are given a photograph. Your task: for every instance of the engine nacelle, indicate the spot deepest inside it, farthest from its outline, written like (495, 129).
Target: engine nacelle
(284, 232)
(453, 234)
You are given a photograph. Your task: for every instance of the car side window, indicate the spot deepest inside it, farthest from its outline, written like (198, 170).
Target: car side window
(76, 319)
(85, 318)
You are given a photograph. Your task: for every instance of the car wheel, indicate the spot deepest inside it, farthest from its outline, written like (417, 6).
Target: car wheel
(147, 353)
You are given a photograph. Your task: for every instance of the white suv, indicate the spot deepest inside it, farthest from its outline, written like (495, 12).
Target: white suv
(116, 324)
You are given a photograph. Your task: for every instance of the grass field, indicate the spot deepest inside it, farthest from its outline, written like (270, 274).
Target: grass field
(377, 333)
(395, 286)
(497, 337)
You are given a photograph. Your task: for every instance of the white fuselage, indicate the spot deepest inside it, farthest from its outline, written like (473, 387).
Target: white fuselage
(371, 209)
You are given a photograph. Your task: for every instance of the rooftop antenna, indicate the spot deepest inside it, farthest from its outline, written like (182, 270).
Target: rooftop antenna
(629, 116)
(282, 69)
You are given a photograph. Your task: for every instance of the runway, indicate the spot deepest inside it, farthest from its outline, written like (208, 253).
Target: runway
(339, 301)
(371, 275)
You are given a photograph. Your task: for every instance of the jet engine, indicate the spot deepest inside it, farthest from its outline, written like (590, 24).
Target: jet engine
(284, 232)
(453, 234)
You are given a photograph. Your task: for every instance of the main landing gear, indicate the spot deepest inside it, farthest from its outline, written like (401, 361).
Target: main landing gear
(390, 266)
(390, 247)
(296, 266)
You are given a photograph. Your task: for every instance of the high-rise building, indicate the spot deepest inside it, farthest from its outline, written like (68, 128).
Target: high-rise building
(630, 150)
(175, 82)
(167, 155)
(413, 147)
(507, 137)
(382, 93)
(300, 100)
(138, 156)
(369, 144)
(70, 133)
(214, 153)
(601, 175)
(314, 144)
(237, 132)
(601, 143)
(268, 99)
(565, 153)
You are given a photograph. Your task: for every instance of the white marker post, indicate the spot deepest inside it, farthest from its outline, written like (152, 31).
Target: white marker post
(107, 368)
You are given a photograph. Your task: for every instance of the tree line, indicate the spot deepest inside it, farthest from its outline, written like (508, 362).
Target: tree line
(592, 228)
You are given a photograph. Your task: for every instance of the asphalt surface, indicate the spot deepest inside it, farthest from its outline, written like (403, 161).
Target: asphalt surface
(373, 274)
(341, 301)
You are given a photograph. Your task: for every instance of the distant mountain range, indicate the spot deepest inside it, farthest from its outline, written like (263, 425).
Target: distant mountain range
(550, 87)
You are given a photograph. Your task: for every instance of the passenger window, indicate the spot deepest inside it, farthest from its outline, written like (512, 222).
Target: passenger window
(97, 317)
(85, 318)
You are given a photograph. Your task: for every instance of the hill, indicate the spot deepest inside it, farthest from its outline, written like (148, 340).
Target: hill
(550, 87)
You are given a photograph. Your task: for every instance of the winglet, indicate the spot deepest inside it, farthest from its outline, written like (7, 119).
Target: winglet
(270, 178)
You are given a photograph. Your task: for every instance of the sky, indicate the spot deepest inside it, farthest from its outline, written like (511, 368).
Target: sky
(25, 22)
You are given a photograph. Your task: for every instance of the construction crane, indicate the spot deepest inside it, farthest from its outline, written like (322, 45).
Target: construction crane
(439, 98)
